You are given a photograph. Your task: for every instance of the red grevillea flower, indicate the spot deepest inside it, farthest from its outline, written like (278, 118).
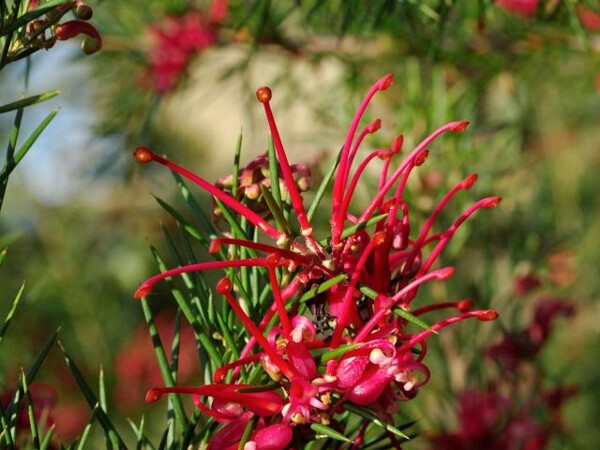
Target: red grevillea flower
(176, 40)
(358, 347)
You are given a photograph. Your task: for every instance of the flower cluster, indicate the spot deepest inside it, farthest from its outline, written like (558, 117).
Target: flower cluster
(43, 32)
(361, 343)
(176, 40)
(256, 177)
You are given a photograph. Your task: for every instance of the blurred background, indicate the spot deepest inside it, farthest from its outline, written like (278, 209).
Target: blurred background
(179, 76)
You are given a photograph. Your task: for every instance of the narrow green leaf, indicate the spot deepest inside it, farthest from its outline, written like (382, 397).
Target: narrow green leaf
(323, 187)
(323, 287)
(196, 209)
(102, 390)
(163, 440)
(189, 315)
(236, 167)
(324, 430)
(189, 433)
(12, 311)
(275, 208)
(13, 161)
(274, 174)
(401, 312)
(341, 350)
(81, 445)
(368, 415)
(10, 151)
(224, 330)
(174, 366)
(184, 223)
(6, 432)
(357, 227)
(48, 438)
(3, 253)
(11, 411)
(35, 435)
(163, 363)
(362, 225)
(24, 102)
(112, 436)
(248, 431)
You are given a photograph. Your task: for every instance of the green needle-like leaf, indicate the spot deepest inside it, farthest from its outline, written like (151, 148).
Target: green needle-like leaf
(401, 312)
(341, 350)
(368, 415)
(48, 438)
(12, 311)
(112, 436)
(236, 167)
(163, 363)
(324, 430)
(274, 174)
(358, 227)
(12, 161)
(248, 431)
(184, 223)
(323, 188)
(81, 445)
(35, 435)
(28, 101)
(11, 411)
(276, 210)
(323, 287)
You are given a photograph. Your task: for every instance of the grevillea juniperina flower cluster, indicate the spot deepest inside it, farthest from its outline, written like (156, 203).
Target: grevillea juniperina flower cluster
(362, 343)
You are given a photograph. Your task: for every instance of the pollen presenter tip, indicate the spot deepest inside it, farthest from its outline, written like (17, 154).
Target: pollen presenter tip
(460, 126)
(385, 82)
(493, 202)
(464, 305)
(142, 291)
(224, 286)
(263, 94)
(488, 315)
(143, 155)
(153, 395)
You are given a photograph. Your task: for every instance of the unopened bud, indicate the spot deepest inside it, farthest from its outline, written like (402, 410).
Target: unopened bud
(90, 46)
(83, 11)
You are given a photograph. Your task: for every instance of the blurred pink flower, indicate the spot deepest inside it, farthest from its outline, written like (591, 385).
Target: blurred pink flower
(514, 348)
(135, 364)
(175, 42)
(492, 420)
(525, 8)
(589, 18)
